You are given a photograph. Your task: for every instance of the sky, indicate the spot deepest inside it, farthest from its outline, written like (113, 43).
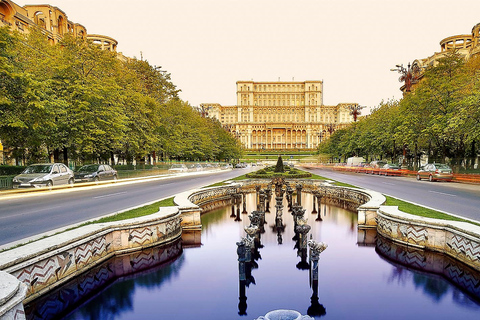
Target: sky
(209, 45)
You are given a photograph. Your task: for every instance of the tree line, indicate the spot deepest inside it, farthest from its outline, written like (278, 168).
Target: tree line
(74, 101)
(439, 119)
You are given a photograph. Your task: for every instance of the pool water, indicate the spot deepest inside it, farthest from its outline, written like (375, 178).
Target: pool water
(358, 277)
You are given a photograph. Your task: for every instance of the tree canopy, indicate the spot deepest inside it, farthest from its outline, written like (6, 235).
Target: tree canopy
(440, 119)
(76, 101)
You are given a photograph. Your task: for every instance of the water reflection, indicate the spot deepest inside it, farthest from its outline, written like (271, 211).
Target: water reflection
(406, 258)
(114, 300)
(359, 276)
(248, 247)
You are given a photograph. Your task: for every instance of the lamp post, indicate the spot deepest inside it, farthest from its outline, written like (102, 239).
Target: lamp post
(355, 111)
(409, 75)
(331, 128)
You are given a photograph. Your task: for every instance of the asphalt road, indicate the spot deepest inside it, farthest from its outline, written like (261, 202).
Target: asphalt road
(26, 215)
(455, 198)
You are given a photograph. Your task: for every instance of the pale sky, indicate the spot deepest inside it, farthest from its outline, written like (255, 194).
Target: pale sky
(208, 45)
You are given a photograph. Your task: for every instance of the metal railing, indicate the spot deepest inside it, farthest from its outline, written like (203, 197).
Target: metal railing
(6, 182)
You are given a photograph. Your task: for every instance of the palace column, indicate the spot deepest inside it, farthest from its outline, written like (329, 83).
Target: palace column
(308, 138)
(249, 138)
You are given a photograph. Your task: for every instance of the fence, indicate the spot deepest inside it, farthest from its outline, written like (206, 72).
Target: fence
(6, 182)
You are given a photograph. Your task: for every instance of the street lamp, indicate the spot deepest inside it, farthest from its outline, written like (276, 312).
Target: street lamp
(331, 128)
(409, 75)
(321, 134)
(355, 111)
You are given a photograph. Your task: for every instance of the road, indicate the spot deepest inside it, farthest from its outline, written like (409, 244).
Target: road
(26, 215)
(456, 198)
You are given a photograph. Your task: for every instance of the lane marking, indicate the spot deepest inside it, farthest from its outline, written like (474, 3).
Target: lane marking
(30, 212)
(389, 183)
(442, 193)
(109, 195)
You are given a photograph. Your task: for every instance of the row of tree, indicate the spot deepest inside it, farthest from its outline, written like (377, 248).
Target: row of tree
(439, 119)
(75, 101)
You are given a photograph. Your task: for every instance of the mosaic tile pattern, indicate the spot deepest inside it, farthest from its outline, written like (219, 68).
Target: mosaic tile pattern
(139, 237)
(63, 299)
(424, 260)
(464, 246)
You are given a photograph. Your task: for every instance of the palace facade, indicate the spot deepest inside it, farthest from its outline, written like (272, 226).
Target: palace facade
(281, 115)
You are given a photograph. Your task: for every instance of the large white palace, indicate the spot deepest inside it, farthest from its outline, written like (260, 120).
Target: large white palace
(281, 115)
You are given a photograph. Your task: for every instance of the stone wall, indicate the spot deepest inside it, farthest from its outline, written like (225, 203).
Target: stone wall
(78, 289)
(424, 260)
(48, 263)
(460, 240)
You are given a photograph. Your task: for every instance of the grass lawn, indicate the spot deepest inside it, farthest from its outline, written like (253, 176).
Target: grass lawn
(135, 213)
(422, 211)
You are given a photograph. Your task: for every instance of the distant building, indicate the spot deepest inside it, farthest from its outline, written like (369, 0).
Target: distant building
(281, 115)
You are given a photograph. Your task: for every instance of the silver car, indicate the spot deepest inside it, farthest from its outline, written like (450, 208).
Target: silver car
(44, 175)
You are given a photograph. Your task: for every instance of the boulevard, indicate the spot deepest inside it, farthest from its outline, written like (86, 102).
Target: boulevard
(27, 215)
(455, 198)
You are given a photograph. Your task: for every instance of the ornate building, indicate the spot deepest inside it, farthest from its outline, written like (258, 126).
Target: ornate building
(281, 115)
(51, 20)
(466, 45)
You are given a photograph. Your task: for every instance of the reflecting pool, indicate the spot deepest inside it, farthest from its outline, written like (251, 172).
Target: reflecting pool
(361, 276)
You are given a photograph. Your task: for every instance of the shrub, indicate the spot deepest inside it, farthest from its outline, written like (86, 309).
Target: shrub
(279, 166)
(11, 170)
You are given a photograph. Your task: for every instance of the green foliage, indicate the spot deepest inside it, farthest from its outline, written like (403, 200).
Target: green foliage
(76, 99)
(279, 166)
(269, 172)
(11, 170)
(440, 118)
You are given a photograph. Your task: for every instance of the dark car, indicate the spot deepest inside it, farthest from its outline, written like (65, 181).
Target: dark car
(44, 175)
(95, 172)
(435, 171)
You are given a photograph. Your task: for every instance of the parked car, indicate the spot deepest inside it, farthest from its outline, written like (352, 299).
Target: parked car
(195, 167)
(391, 169)
(44, 175)
(207, 166)
(435, 171)
(375, 166)
(178, 168)
(226, 166)
(95, 173)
